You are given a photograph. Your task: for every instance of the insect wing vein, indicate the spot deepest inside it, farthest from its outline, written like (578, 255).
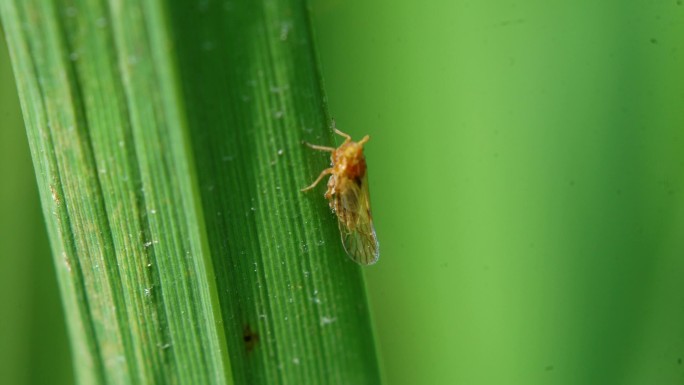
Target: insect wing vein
(356, 223)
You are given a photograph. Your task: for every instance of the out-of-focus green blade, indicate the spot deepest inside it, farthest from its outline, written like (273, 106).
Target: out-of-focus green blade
(527, 179)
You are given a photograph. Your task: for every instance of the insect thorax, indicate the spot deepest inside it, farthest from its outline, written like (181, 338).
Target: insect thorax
(349, 162)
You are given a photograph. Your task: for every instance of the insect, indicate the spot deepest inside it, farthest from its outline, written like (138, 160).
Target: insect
(348, 197)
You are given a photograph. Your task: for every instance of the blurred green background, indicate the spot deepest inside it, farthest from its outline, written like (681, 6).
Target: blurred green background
(527, 178)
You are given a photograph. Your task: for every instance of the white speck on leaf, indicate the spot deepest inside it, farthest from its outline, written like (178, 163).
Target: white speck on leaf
(295, 361)
(285, 28)
(278, 90)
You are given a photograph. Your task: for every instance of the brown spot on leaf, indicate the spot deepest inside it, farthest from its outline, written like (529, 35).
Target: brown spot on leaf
(55, 195)
(250, 338)
(67, 262)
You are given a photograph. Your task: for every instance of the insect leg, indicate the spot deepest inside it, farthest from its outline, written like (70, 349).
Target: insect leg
(320, 148)
(325, 172)
(346, 137)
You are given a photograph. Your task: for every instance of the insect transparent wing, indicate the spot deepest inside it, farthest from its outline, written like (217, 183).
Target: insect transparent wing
(356, 224)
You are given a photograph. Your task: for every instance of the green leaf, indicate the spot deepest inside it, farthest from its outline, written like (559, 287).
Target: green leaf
(167, 142)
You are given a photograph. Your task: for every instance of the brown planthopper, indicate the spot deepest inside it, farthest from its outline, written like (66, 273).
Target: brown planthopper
(349, 199)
